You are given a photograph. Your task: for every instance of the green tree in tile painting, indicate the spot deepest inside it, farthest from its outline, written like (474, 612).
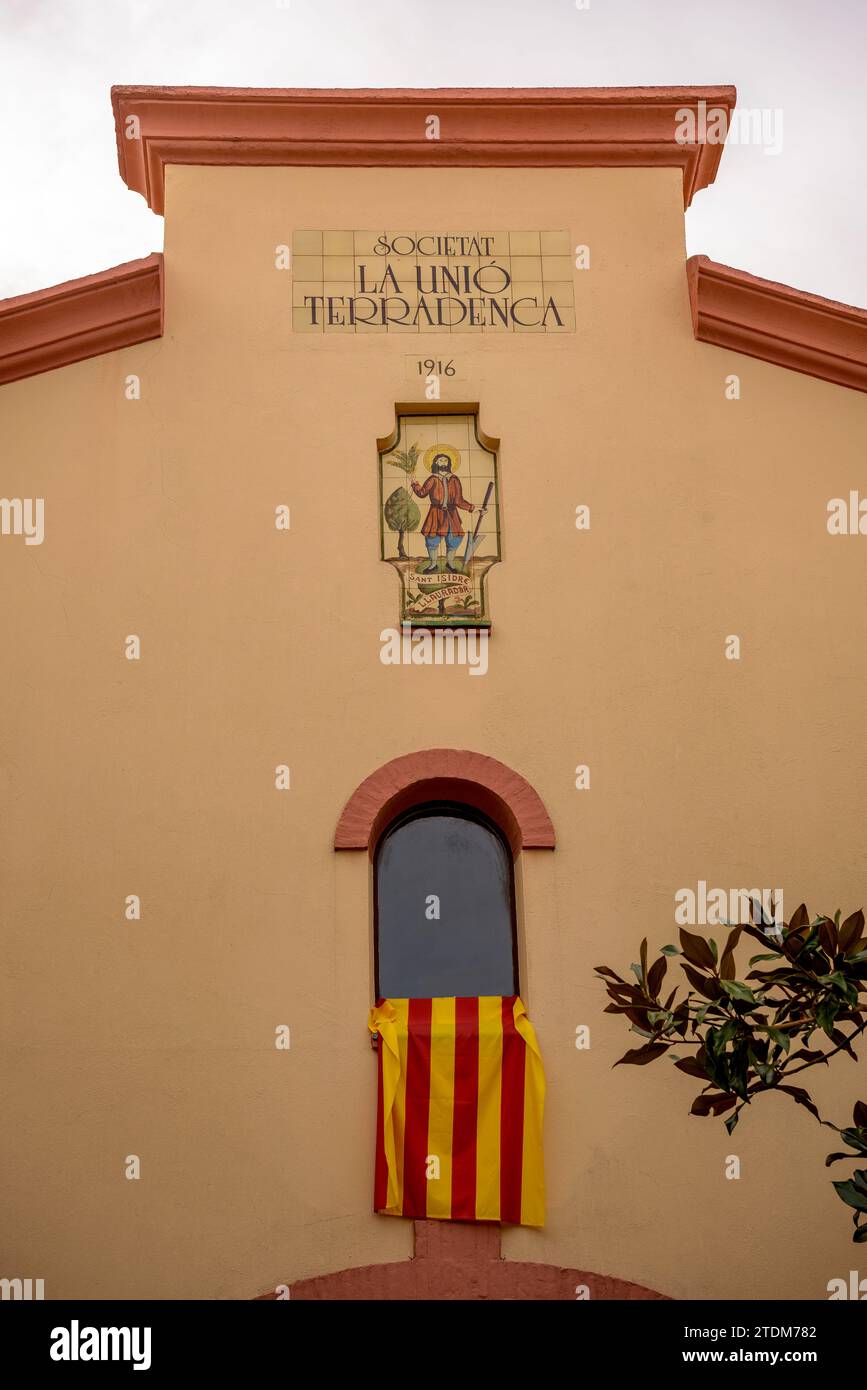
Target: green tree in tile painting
(803, 1002)
(401, 512)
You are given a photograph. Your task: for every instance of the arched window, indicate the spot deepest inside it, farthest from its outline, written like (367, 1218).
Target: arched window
(444, 906)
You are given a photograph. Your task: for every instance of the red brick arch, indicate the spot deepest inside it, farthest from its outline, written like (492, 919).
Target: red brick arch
(445, 774)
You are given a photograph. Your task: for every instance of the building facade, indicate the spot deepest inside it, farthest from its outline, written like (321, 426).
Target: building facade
(623, 460)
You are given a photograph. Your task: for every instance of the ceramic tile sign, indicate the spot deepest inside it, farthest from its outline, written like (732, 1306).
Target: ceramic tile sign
(439, 518)
(432, 282)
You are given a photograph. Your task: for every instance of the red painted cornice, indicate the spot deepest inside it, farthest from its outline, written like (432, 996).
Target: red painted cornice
(580, 127)
(791, 328)
(81, 318)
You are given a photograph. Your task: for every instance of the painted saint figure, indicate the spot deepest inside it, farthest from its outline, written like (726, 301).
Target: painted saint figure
(446, 501)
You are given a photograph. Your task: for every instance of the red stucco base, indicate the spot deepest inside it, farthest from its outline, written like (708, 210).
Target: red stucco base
(457, 1261)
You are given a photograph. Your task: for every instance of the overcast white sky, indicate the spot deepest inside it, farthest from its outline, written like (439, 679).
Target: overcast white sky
(799, 216)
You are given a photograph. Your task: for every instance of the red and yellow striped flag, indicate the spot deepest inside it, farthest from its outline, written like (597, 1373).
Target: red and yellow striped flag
(459, 1113)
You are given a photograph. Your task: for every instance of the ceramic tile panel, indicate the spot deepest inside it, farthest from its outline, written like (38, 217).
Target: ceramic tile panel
(439, 519)
(407, 281)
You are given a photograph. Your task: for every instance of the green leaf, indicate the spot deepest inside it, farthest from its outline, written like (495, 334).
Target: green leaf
(855, 1138)
(835, 978)
(732, 1121)
(670, 951)
(826, 1013)
(738, 991)
(766, 1071)
(854, 1192)
(718, 1037)
(778, 1036)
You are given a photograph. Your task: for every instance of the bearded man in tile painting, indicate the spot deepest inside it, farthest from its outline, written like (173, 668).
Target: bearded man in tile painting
(446, 501)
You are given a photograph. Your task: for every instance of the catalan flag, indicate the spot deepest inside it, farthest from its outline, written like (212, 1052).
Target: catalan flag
(459, 1112)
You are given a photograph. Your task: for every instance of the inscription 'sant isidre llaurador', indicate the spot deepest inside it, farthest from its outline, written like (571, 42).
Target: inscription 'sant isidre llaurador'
(442, 560)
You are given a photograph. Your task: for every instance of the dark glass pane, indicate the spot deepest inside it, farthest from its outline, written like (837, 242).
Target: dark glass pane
(469, 949)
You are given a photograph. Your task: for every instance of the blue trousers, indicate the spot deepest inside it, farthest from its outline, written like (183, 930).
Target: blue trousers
(433, 544)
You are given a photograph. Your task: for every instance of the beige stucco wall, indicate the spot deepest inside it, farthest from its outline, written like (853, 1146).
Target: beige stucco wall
(261, 647)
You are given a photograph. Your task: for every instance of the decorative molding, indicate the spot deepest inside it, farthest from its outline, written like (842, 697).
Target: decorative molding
(788, 327)
(81, 318)
(445, 774)
(461, 1260)
(559, 127)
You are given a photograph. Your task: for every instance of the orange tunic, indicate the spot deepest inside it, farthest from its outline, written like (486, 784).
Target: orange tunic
(445, 498)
